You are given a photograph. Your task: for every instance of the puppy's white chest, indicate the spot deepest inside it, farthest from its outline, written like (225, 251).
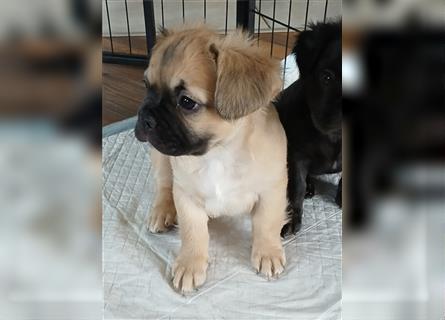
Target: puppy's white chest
(224, 188)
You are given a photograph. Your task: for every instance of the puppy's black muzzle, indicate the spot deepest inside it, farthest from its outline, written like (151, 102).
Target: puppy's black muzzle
(149, 122)
(145, 125)
(160, 124)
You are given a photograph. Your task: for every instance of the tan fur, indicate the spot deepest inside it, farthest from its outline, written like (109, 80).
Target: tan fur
(244, 168)
(239, 62)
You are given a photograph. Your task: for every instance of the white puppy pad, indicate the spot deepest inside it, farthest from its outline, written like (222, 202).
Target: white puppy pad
(137, 264)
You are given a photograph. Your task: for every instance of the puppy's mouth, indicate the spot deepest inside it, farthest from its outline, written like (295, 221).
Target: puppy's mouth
(170, 148)
(140, 134)
(143, 135)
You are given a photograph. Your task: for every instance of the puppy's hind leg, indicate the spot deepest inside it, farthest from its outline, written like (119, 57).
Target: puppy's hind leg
(268, 218)
(163, 213)
(296, 190)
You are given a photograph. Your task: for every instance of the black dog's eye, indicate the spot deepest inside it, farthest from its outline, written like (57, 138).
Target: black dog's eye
(187, 103)
(327, 76)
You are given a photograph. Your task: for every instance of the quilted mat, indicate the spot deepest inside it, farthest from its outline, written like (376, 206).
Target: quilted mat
(137, 264)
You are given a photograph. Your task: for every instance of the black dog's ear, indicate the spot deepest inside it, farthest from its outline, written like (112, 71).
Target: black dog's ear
(306, 51)
(163, 32)
(310, 44)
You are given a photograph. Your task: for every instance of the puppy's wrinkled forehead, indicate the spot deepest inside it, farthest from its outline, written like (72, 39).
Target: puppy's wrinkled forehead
(184, 58)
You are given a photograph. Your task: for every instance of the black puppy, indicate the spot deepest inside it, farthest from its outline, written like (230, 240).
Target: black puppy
(311, 111)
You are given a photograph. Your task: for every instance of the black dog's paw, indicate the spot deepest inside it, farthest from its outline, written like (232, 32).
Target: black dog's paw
(309, 194)
(310, 188)
(293, 226)
(290, 229)
(338, 197)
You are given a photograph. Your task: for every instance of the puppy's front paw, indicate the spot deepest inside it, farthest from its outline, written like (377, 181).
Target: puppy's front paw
(162, 218)
(189, 272)
(268, 260)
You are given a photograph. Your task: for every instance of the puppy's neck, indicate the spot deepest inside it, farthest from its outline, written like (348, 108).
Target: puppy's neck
(229, 144)
(239, 133)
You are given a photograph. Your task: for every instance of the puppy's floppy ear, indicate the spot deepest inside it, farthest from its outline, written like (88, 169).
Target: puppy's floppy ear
(247, 79)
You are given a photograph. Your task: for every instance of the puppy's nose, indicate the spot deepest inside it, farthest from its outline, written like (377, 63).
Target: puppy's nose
(150, 122)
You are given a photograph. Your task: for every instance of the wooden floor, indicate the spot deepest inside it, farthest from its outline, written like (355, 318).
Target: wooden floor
(123, 91)
(123, 88)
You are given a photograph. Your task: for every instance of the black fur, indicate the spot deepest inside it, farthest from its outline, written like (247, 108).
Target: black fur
(310, 111)
(161, 123)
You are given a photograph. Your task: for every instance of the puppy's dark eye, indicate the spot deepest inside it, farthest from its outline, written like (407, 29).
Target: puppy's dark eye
(187, 103)
(327, 76)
